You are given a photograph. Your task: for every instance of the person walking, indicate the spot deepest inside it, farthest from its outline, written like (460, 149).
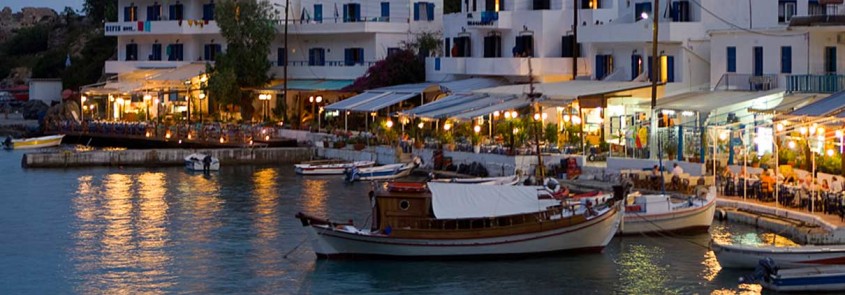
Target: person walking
(206, 164)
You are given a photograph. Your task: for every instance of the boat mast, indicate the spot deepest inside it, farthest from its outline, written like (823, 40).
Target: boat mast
(536, 107)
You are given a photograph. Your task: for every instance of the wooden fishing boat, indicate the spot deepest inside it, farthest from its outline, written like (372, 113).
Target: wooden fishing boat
(747, 256)
(194, 162)
(458, 220)
(33, 143)
(385, 172)
(826, 278)
(329, 167)
(665, 213)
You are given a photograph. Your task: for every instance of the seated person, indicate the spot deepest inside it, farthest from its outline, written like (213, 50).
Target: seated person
(768, 182)
(677, 170)
(825, 185)
(836, 186)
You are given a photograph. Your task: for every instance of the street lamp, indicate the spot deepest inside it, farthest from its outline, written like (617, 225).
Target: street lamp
(147, 99)
(109, 108)
(188, 100)
(82, 100)
(202, 98)
(265, 99)
(315, 100)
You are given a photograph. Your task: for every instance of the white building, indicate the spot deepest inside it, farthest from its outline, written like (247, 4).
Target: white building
(329, 39)
(495, 37)
(330, 43)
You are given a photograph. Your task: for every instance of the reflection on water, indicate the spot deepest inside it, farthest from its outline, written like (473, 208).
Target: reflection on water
(725, 233)
(641, 271)
(152, 231)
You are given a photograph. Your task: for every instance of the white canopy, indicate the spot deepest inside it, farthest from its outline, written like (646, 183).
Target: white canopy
(568, 90)
(452, 201)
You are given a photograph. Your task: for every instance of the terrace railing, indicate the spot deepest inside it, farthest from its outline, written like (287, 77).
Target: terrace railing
(747, 82)
(815, 83)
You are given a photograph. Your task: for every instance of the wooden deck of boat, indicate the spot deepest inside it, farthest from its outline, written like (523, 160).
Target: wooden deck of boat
(832, 219)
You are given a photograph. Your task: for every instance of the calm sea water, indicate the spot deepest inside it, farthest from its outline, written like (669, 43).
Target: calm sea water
(139, 230)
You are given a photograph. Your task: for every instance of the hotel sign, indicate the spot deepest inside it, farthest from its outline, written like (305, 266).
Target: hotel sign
(140, 26)
(119, 28)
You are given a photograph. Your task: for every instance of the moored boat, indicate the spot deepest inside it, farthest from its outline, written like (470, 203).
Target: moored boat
(664, 213)
(197, 161)
(385, 172)
(458, 220)
(502, 180)
(332, 167)
(747, 256)
(827, 278)
(33, 143)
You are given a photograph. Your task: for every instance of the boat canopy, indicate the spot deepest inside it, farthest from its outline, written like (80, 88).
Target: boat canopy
(452, 201)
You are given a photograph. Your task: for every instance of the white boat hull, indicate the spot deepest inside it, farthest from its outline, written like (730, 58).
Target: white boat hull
(36, 142)
(193, 162)
(592, 235)
(330, 169)
(743, 256)
(692, 219)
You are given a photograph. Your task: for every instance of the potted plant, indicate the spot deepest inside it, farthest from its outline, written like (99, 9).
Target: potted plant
(360, 143)
(447, 140)
(476, 142)
(671, 149)
(552, 135)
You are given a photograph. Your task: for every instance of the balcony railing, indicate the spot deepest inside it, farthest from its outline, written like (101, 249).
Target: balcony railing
(815, 83)
(330, 63)
(747, 82)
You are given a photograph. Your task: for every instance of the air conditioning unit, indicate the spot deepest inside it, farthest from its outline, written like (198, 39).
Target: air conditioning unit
(840, 38)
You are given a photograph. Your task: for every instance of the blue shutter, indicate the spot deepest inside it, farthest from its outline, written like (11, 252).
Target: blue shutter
(126, 14)
(345, 12)
(651, 70)
(318, 13)
(758, 61)
(357, 12)
(385, 11)
(437, 64)
(599, 67)
(361, 56)
(786, 59)
(207, 52)
(322, 53)
(280, 56)
(635, 66)
(430, 11)
(448, 48)
(172, 13)
(347, 56)
(416, 11)
(731, 58)
(670, 69)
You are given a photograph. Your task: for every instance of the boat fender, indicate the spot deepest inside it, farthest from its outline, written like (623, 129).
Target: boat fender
(721, 214)
(388, 230)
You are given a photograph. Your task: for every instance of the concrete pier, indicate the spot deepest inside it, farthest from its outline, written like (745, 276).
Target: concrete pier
(165, 157)
(801, 227)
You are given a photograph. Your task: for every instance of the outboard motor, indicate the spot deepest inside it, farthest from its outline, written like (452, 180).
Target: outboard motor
(349, 174)
(765, 267)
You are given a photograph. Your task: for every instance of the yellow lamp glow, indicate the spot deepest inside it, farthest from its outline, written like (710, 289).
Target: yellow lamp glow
(791, 144)
(477, 129)
(447, 126)
(830, 153)
(723, 135)
(820, 130)
(515, 130)
(566, 118)
(839, 133)
(167, 135)
(802, 130)
(266, 137)
(420, 125)
(389, 123)
(779, 127)
(507, 115)
(536, 116)
(496, 114)
(576, 120)
(222, 140)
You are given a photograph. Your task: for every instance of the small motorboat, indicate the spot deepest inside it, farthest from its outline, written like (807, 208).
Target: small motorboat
(826, 278)
(748, 256)
(386, 172)
(32, 143)
(197, 162)
(458, 220)
(330, 167)
(666, 213)
(503, 180)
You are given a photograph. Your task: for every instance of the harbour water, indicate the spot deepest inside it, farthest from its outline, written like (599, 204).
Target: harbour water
(142, 230)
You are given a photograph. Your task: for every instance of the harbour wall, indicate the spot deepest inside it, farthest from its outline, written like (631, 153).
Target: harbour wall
(801, 227)
(165, 157)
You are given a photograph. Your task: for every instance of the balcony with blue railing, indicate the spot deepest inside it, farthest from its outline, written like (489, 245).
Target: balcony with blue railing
(830, 83)
(747, 82)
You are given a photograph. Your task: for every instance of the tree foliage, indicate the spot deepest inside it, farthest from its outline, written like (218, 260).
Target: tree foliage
(399, 68)
(101, 10)
(29, 40)
(248, 27)
(425, 43)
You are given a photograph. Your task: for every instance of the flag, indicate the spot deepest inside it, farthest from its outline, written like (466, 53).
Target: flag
(336, 13)
(67, 61)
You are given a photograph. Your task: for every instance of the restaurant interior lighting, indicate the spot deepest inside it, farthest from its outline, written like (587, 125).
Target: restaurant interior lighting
(830, 152)
(791, 144)
(389, 123)
(477, 128)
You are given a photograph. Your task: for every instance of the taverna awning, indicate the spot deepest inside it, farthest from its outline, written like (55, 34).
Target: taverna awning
(828, 106)
(148, 79)
(380, 98)
(567, 91)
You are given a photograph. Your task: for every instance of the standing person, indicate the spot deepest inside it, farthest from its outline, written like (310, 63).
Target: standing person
(206, 164)
(836, 186)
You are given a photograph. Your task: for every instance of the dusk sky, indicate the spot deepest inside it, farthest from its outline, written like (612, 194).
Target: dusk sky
(57, 5)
